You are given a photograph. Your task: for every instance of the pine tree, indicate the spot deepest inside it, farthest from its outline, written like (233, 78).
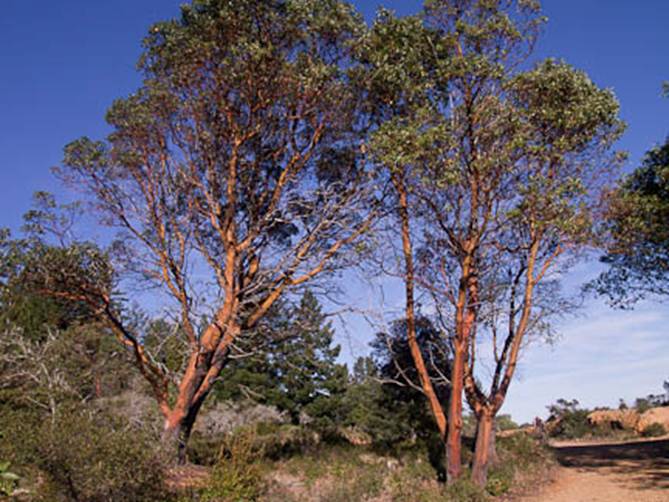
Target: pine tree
(297, 371)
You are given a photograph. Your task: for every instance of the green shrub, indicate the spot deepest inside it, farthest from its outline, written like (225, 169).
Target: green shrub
(642, 405)
(500, 479)
(90, 459)
(356, 482)
(574, 425)
(238, 475)
(279, 441)
(522, 461)
(8, 480)
(205, 449)
(17, 435)
(571, 422)
(505, 423)
(654, 430)
(271, 441)
(520, 449)
(463, 490)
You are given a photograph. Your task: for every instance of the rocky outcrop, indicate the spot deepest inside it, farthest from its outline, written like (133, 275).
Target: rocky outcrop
(658, 415)
(615, 419)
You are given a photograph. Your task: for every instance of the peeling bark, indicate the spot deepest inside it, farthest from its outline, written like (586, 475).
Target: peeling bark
(485, 445)
(454, 438)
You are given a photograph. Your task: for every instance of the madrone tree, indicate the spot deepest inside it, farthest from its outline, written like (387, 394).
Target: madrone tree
(507, 167)
(233, 175)
(466, 174)
(404, 62)
(539, 218)
(459, 54)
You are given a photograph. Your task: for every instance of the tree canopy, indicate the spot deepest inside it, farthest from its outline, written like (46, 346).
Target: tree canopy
(637, 243)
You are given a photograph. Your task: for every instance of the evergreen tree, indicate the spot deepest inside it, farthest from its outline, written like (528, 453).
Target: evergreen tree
(311, 380)
(396, 367)
(297, 370)
(637, 233)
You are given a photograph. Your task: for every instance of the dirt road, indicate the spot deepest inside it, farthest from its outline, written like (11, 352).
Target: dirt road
(622, 472)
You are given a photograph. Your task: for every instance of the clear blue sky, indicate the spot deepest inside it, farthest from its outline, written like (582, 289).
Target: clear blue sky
(63, 62)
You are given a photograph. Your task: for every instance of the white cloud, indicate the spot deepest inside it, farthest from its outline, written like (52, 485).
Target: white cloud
(600, 357)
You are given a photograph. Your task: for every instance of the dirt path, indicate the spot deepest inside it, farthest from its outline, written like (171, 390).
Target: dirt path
(622, 472)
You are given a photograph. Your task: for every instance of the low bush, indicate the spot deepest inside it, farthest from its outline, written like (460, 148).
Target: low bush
(238, 474)
(463, 490)
(8, 479)
(91, 458)
(654, 430)
(500, 479)
(522, 461)
(573, 425)
(521, 449)
(17, 435)
(416, 481)
(271, 441)
(281, 441)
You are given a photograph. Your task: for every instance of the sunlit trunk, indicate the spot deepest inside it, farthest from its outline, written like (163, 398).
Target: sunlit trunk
(177, 430)
(454, 439)
(483, 449)
(409, 279)
(193, 391)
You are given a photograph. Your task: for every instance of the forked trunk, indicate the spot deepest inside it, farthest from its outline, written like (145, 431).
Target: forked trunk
(484, 446)
(177, 430)
(454, 438)
(179, 422)
(196, 383)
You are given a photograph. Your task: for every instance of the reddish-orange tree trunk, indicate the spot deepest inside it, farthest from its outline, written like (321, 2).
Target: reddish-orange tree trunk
(465, 317)
(409, 285)
(454, 438)
(484, 452)
(178, 427)
(203, 368)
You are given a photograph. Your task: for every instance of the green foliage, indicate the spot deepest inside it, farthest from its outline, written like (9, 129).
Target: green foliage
(652, 400)
(642, 404)
(340, 472)
(72, 366)
(464, 490)
(500, 480)
(571, 422)
(637, 239)
(654, 430)
(8, 479)
(417, 484)
(364, 407)
(237, 476)
(282, 441)
(307, 373)
(17, 436)
(95, 458)
(295, 368)
(46, 285)
(505, 422)
(397, 400)
(269, 441)
(521, 459)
